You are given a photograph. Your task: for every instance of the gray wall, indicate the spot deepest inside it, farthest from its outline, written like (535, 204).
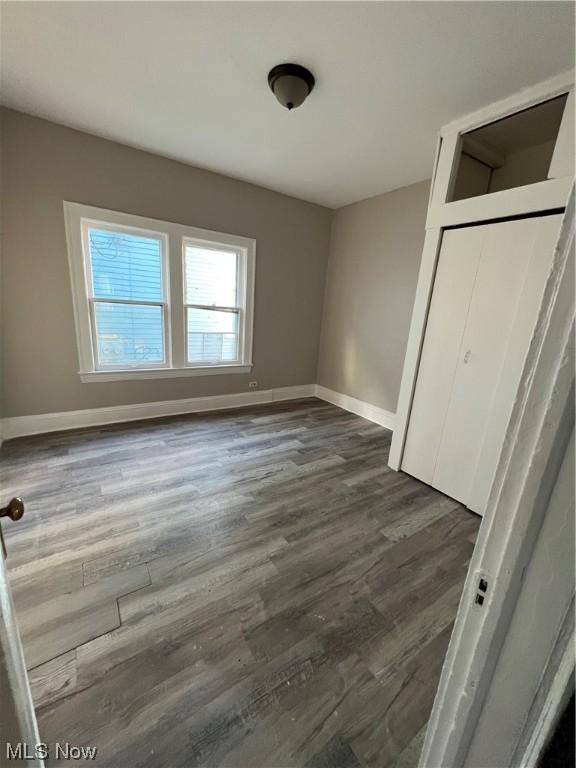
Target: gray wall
(44, 164)
(526, 166)
(375, 252)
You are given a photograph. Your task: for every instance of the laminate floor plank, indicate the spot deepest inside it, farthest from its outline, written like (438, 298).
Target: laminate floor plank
(54, 679)
(63, 622)
(250, 589)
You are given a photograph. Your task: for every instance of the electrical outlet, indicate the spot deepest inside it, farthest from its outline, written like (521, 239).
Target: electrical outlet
(253, 384)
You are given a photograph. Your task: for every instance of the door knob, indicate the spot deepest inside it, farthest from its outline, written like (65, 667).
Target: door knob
(467, 355)
(14, 510)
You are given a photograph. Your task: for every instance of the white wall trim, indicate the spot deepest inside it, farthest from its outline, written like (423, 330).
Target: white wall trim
(541, 196)
(359, 407)
(293, 393)
(18, 426)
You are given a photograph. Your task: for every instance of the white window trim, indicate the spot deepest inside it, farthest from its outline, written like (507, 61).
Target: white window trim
(85, 225)
(244, 281)
(78, 217)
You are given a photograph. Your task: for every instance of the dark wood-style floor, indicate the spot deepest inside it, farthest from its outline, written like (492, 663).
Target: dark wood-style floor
(250, 589)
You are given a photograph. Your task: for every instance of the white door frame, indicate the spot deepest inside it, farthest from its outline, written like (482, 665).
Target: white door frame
(541, 197)
(539, 429)
(18, 718)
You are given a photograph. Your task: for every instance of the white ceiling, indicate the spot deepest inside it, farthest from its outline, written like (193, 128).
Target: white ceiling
(188, 80)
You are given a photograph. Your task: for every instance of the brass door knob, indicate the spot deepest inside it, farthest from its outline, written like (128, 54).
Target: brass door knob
(14, 510)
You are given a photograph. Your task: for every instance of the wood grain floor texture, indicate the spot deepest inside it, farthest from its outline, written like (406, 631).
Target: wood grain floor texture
(247, 589)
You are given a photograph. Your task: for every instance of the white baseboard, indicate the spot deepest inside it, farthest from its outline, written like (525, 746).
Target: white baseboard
(293, 393)
(18, 426)
(359, 407)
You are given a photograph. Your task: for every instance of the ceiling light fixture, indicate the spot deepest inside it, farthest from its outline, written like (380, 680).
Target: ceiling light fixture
(291, 84)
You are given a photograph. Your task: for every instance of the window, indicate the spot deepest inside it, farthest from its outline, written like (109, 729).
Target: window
(154, 299)
(126, 290)
(213, 311)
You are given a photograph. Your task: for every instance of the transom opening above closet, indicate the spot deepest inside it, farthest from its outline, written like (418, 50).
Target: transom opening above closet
(508, 153)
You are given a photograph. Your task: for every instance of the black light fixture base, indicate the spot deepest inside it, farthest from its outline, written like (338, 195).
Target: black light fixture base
(295, 70)
(290, 71)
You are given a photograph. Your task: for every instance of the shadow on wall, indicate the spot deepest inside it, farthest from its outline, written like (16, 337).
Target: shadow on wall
(375, 252)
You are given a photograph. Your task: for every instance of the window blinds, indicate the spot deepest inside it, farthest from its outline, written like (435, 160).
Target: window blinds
(212, 311)
(127, 297)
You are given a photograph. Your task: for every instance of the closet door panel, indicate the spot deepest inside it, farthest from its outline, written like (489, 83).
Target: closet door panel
(455, 275)
(499, 281)
(545, 234)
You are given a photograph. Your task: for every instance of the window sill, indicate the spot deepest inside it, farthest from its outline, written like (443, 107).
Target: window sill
(90, 377)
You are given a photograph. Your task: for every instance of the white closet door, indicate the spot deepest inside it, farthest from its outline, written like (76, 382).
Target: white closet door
(543, 240)
(453, 285)
(506, 265)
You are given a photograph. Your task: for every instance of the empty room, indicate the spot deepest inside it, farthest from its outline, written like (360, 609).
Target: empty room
(287, 384)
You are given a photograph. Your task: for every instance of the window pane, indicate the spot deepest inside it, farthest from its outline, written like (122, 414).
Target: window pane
(210, 276)
(125, 266)
(212, 336)
(129, 333)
